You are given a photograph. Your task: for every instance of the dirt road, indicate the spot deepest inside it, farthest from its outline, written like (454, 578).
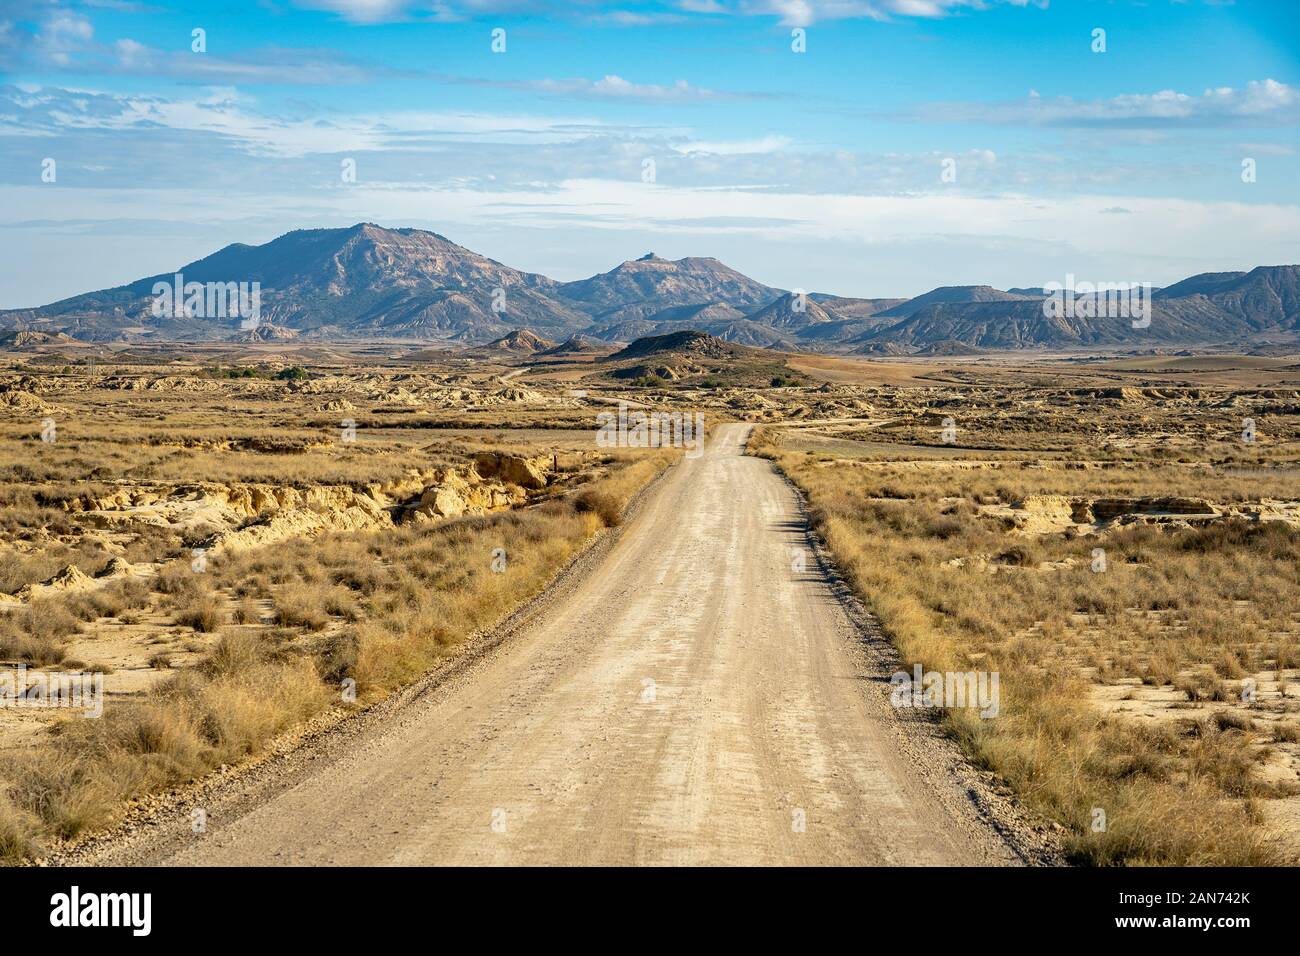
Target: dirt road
(693, 700)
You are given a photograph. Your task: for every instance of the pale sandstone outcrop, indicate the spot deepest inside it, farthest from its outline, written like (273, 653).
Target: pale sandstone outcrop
(453, 494)
(250, 515)
(298, 523)
(513, 469)
(70, 578)
(1048, 514)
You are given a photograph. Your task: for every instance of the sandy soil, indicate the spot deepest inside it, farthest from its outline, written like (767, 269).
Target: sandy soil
(692, 700)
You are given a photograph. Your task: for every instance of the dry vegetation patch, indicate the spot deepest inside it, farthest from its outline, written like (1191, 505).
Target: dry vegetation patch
(1142, 608)
(232, 565)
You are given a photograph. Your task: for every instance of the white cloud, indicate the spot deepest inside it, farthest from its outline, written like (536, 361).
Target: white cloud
(360, 11)
(766, 144)
(225, 112)
(802, 13)
(615, 87)
(631, 18)
(62, 35)
(1266, 149)
(129, 50)
(65, 42)
(1264, 102)
(790, 12)
(66, 28)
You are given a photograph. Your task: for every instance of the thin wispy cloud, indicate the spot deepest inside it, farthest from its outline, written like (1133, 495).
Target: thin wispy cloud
(768, 144)
(788, 12)
(361, 11)
(221, 128)
(65, 41)
(225, 114)
(1264, 102)
(802, 13)
(616, 88)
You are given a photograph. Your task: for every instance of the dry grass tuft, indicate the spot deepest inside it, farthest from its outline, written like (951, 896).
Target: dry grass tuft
(957, 592)
(204, 612)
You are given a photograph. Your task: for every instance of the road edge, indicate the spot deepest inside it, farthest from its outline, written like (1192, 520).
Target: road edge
(1032, 839)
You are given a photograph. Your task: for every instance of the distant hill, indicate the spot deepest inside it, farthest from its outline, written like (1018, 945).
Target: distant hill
(949, 294)
(715, 318)
(264, 333)
(791, 313)
(520, 342)
(1202, 284)
(364, 281)
(1266, 297)
(1023, 325)
(842, 307)
(778, 324)
(1214, 308)
(696, 312)
(663, 321)
(689, 342)
(754, 334)
(576, 345)
(641, 288)
(367, 282)
(25, 339)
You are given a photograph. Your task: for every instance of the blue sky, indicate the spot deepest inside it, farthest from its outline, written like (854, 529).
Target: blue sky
(820, 170)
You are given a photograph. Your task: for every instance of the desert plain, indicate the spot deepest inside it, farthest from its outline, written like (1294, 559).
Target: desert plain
(257, 544)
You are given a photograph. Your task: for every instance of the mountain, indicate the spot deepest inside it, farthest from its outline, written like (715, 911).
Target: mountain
(754, 334)
(688, 342)
(640, 288)
(264, 333)
(696, 312)
(791, 312)
(629, 330)
(779, 324)
(843, 307)
(1266, 297)
(369, 282)
(845, 320)
(662, 321)
(364, 281)
(1210, 309)
(1025, 325)
(716, 318)
(1202, 284)
(577, 345)
(519, 342)
(25, 339)
(833, 335)
(950, 294)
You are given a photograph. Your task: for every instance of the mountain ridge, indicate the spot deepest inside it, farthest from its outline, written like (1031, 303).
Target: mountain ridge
(370, 282)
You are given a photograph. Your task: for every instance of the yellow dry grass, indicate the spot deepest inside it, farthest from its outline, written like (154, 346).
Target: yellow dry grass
(390, 605)
(1218, 601)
